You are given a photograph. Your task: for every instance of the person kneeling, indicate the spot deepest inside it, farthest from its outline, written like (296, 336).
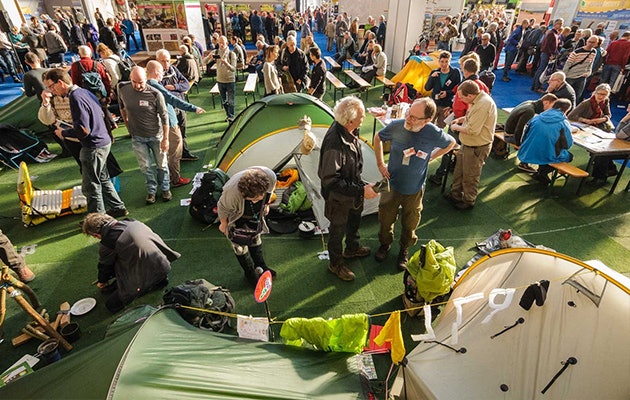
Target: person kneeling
(547, 140)
(130, 252)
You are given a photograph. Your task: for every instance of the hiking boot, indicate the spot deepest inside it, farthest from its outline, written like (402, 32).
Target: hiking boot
(361, 251)
(150, 198)
(342, 272)
(181, 182)
(25, 274)
(449, 196)
(118, 213)
(167, 195)
(526, 167)
(403, 257)
(382, 252)
(544, 179)
(436, 179)
(460, 205)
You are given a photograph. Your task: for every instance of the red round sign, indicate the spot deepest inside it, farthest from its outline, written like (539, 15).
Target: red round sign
(263, 287)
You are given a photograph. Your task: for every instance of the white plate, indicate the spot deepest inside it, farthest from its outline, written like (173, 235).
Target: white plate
(83, 306)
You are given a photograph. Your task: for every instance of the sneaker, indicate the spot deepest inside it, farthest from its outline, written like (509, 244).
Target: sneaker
(403, 257)
(166, 195)
(25, 274)
(189, 157)
(526, 167)
(150, 198)
(342, 272)
(381, 253)
(361, 251)
(181, 182)
(436, 179)
(117, 213)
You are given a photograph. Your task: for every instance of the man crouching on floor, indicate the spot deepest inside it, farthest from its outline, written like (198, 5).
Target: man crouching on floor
(133, 254)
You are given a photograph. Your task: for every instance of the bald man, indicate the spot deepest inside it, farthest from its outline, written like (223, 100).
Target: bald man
(148, 129)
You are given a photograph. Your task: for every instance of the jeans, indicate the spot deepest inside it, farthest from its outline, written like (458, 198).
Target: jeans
(610, 74)
(544, 60)
(227, 97)
(96, 185)
(147, 149)
(578, 85)
(6, 62)
(510, 56)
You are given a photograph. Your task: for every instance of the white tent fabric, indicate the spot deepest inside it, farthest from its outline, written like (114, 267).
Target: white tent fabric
(586, 315)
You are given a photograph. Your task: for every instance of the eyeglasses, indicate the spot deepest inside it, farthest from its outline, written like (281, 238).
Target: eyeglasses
(49, 87)
(413, 118)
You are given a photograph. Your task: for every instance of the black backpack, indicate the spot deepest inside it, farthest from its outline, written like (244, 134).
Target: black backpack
(204, 200)
(124, 67)
(92, 80)
(200, 293)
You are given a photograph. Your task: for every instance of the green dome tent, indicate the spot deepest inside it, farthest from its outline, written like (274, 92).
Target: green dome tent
(163, 357)
(266, 133)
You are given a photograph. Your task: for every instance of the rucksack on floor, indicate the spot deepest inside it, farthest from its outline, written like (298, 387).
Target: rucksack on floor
(92, 80)
(200, 293)
(402, 93)
(204, 200)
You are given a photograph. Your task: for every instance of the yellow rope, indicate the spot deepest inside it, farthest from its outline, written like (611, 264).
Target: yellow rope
(276, 321)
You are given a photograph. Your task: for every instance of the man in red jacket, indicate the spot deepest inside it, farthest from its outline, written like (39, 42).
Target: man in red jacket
(617, 58)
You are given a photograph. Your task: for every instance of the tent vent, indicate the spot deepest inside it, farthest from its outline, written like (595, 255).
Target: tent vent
(592, 288)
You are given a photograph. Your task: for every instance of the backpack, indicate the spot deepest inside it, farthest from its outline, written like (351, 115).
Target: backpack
(488, 78)
(403, 93)
(92, 80)
(124, 67)
(200, 293)
(204, 200)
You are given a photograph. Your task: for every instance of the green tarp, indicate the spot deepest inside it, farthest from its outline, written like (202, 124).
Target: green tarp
(167, 358)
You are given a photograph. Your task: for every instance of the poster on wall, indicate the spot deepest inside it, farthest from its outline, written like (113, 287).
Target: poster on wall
(164, 24)
(610, 10)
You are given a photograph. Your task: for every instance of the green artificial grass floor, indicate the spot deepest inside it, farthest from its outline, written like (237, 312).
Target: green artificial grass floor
(591, 226)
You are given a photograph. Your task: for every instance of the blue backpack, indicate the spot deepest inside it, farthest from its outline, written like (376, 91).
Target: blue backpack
(92, 81)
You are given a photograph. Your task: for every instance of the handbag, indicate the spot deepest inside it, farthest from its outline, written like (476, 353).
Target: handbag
(245, 236)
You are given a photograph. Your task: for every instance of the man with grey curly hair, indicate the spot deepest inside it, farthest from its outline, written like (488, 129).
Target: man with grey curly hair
(340, 167)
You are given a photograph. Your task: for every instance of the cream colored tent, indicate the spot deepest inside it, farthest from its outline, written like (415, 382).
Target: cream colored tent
(580, 335)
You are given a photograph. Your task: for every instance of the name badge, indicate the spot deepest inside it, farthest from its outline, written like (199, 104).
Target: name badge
(143, 103)
(421, 154)
(407, 154)
(448, 83)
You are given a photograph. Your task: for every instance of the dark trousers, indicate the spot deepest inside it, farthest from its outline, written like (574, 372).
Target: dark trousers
(344, 215)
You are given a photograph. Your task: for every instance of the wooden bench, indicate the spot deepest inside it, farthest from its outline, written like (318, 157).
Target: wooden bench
(354, 63)
(334, 65)
(363, 84)
(214, 91)
(336, 83)
(565, 170)
(250, 86)
(387, 84)
(500, 135)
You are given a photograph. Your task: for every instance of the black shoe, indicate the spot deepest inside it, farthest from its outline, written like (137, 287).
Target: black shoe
(403, 258)
(506, 79)
(16, 79)
(460, 205)
(597, 182)
(449, 196)
(189, 157)
(381, 253)
(544, 179)
(436, 179)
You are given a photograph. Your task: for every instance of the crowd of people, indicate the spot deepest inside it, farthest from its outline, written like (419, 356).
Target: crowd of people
(460, 112)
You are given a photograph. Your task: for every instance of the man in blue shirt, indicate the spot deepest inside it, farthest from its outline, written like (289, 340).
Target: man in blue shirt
(414, 142)
(88, 125)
